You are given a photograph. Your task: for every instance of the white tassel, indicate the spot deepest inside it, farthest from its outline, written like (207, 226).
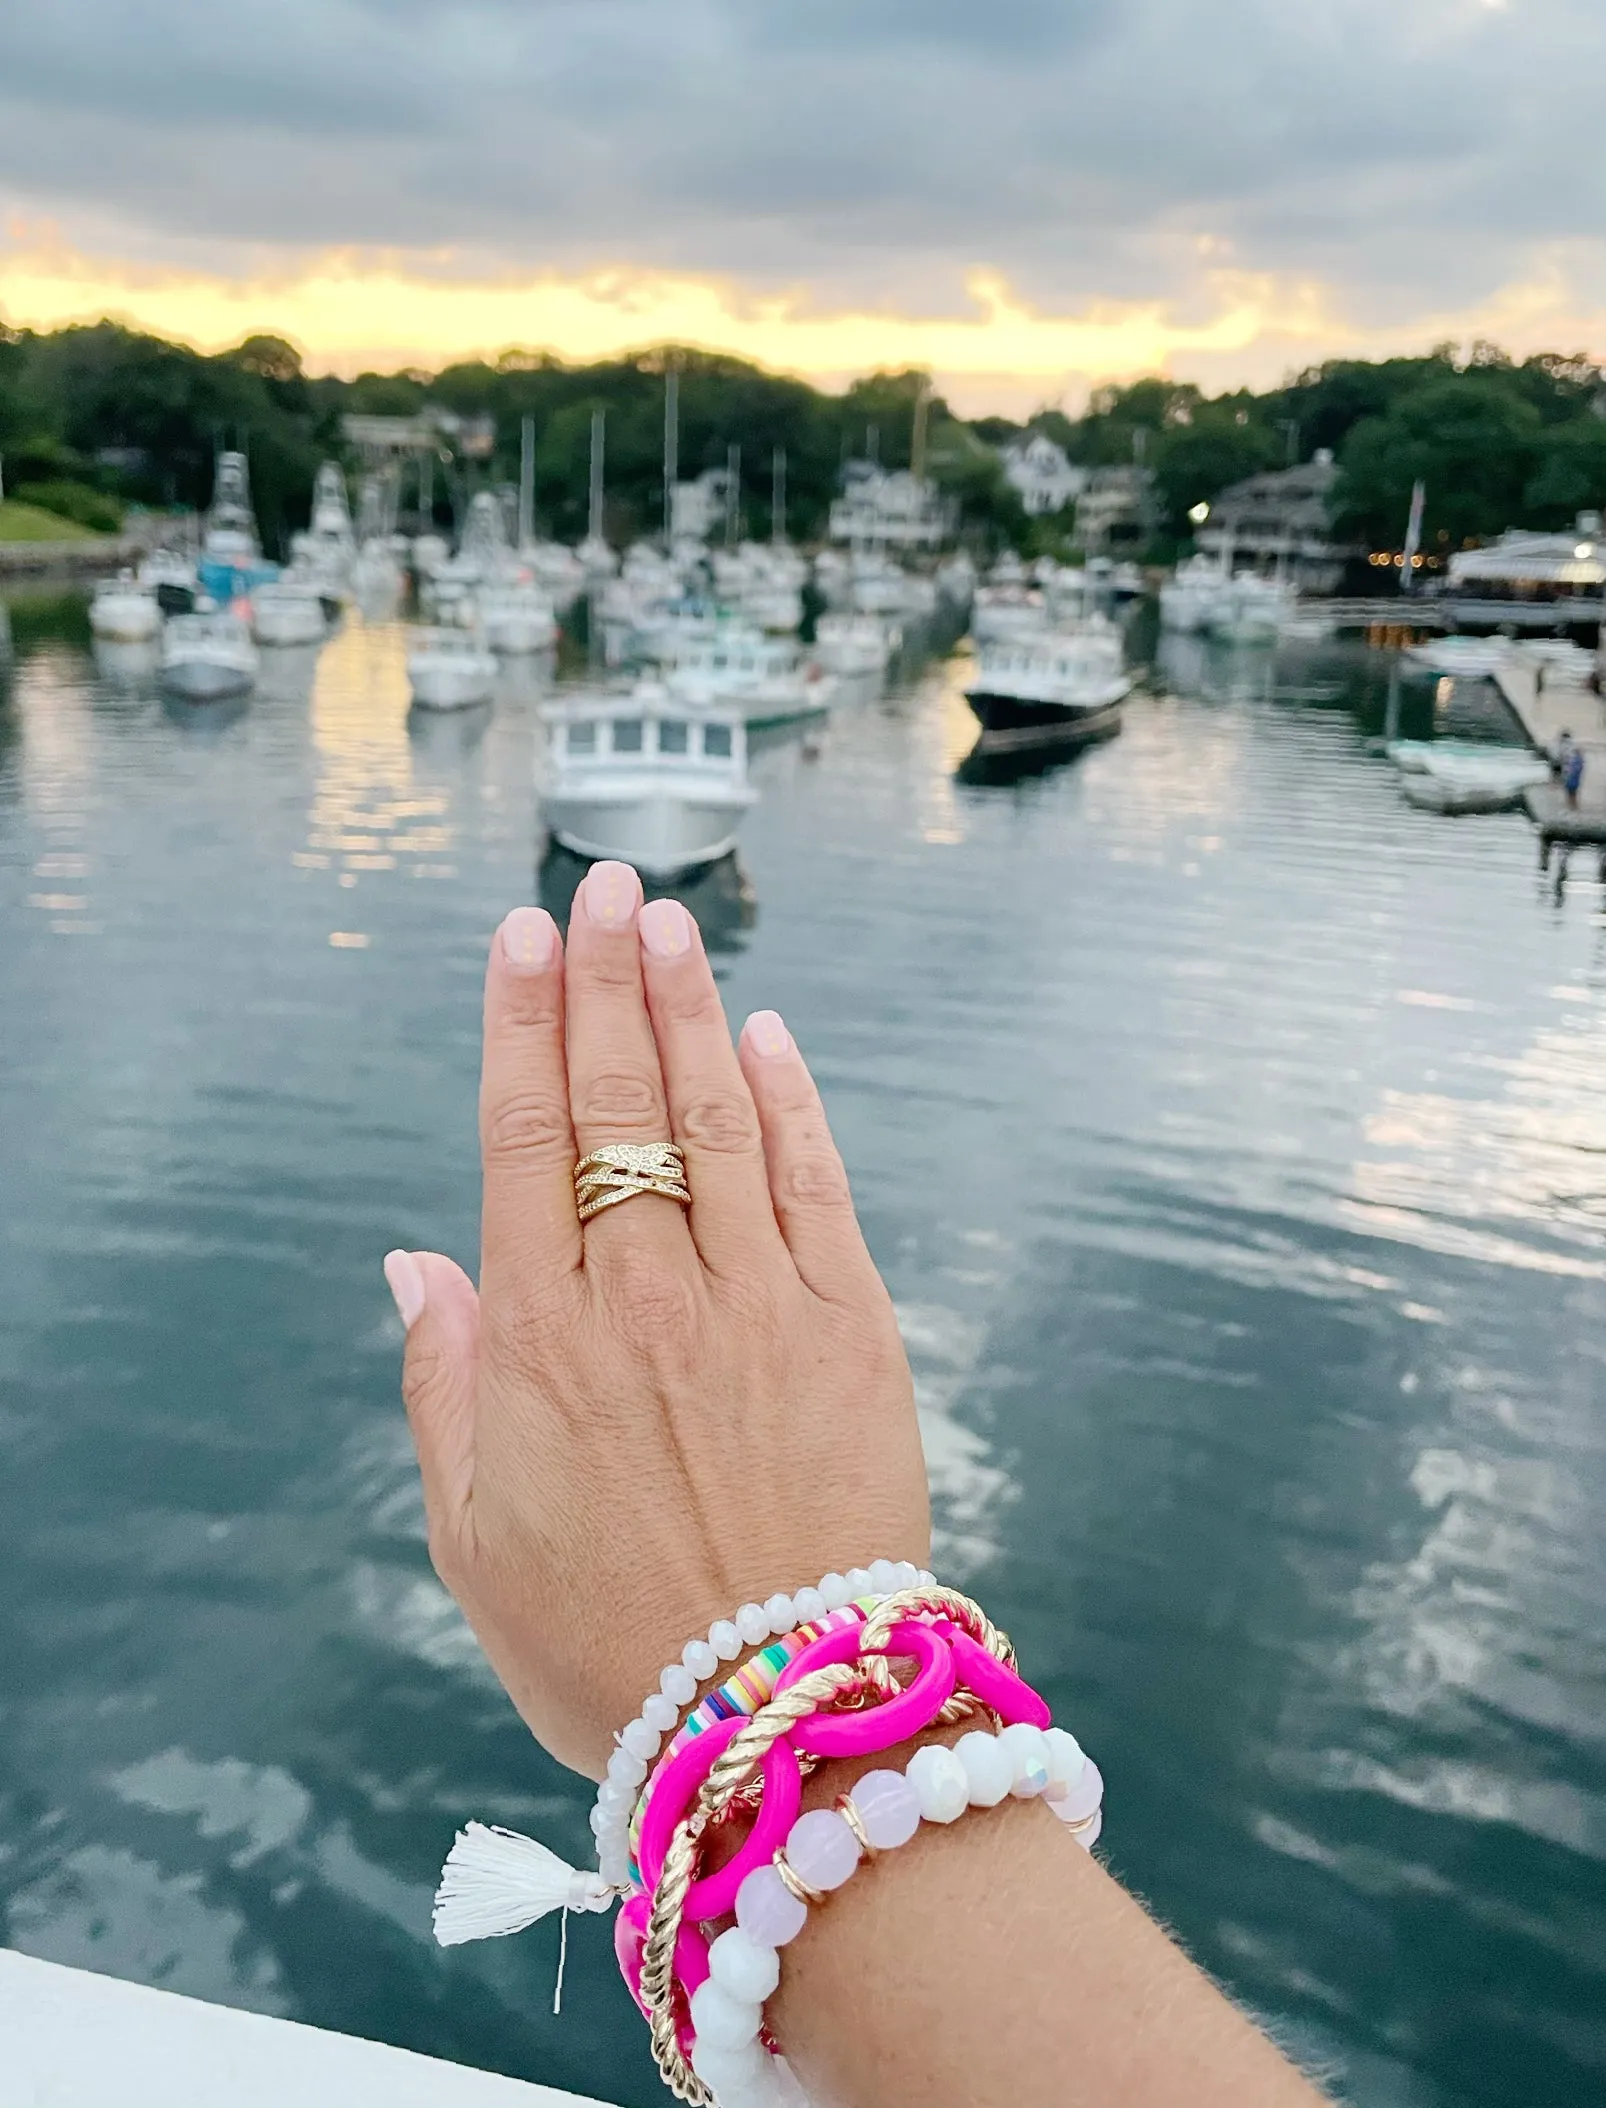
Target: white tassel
(496, 1882)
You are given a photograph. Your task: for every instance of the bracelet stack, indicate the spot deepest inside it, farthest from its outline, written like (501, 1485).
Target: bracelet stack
(823, 1685)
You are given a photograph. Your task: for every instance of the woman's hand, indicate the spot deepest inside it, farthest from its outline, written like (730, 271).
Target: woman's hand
(637, 1425)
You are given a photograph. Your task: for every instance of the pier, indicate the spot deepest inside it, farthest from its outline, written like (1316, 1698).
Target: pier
(1545, 710)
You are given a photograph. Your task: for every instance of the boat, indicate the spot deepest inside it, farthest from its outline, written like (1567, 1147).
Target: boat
(763, 677)
(1463, 776)
(231, 562)
(328, 548)
(1061, 689)
(854, 647)
(1190, 597)
(645, 776)
(449, 669)
(1468, 657)
(208, 657)
(517, 620)
(288, 610)
(171, 577)
(1251, 610)
(123, 611)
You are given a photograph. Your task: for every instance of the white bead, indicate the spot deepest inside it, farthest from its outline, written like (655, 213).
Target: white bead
(908, 1574)
(700, 1658)
(834, 1588)
(1027, 1749)
(988, 1770)
(725, 1640)
(926, 1578)
(678, 1685)
(626, 1769)
(613, 1864)
(809, 1605)
(720, 2020)
(745, 1967)
(938, 1777)
(611, 1794)
(779, 1611)
(883, 1577)
(858, 1580)
(1067, 1760)
(752, 1624)
(641, 1740)
(600, 1819)
(661, 1712)
(733, 2073)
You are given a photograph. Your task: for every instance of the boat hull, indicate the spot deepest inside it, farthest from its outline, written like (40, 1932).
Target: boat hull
(132, 618)
(206, 680)
(661, 835)
(450, 684)
(285, 623)
(1012, 726)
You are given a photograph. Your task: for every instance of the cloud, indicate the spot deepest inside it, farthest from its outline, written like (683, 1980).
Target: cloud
(856, 157)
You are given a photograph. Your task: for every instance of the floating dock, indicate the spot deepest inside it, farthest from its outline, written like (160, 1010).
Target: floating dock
(1545, 708)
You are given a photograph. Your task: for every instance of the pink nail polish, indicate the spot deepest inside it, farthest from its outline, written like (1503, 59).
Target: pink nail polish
(529, 940)
(406, 1279)
(766, 1034)
(666, 929)
(609, 895)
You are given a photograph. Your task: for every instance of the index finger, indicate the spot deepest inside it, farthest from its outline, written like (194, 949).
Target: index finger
(530, 1231)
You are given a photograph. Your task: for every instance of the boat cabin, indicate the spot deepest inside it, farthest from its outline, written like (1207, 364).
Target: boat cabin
(651, 728)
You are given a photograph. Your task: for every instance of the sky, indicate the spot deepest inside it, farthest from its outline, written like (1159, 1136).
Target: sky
(1030, 197)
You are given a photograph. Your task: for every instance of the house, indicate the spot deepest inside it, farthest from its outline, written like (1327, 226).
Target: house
(1115, 512)
(1281, 522)
(1040, 471)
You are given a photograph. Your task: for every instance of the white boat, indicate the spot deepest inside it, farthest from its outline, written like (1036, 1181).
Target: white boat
(854, 646)
(171, 577)
(1468, 657)
(762, 677)
(1001, 612)
(1189, 599)
(646, 777)
(206, 658)
(1061, 689)
(376, 578)
(956, 580)
(287, 611)
(125, 612)
(517, 620)
(1458, 775)
(449, 669)
(1252, 610)
(328, 548)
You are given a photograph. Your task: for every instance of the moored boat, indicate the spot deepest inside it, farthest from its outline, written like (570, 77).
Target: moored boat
(645, 776)
(123, 611)
(1061, 689)
(854, 646)
(288, 611)
(449, 669)
(517, 620)
(207, 658)
(231, 562)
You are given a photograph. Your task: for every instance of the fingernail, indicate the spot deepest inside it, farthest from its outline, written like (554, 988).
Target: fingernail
(529, 940)
(406, 1278)
(610, 895)
(766, 1034)
(665, 929)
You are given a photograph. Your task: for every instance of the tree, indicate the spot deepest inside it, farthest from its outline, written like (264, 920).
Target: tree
(270, 358)
(1571, 476)
(1471, 438)
(1195, 462)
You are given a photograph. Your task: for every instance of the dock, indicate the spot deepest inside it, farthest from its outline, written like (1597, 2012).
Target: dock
(1545, 709)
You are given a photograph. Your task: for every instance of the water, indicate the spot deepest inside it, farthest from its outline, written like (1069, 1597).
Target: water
(1231, 1136)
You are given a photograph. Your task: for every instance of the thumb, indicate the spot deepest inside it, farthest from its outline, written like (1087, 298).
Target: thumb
(440, 1374)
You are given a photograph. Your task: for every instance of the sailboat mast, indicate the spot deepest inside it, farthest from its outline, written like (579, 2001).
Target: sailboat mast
(778, 496)
(526, 482)
(671, 449)
(733, 495)
(599, 420)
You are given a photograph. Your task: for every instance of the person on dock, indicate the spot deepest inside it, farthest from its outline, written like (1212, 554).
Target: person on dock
(1572, 773)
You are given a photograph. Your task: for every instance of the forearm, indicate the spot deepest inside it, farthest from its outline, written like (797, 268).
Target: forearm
(994, 1964)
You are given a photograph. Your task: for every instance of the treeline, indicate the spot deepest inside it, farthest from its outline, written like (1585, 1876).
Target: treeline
(111, 415)
(1498, 444)
(93, 419)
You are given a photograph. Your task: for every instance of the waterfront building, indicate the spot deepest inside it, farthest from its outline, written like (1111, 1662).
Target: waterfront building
(878, 510)
(1530, 581)
(1042, 472)
(1281, 522)
(1116, 510)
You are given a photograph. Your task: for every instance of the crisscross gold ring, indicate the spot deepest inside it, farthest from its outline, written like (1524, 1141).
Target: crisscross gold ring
(620, 1170)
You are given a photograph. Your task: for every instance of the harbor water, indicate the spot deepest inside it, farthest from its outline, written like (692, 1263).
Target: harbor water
(1231, 1134)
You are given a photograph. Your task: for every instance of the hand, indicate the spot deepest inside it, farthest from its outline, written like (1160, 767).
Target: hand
(637, 1426)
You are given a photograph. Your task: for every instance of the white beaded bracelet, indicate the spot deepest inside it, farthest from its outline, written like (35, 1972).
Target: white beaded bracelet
(883, 1810)
(638, 1744)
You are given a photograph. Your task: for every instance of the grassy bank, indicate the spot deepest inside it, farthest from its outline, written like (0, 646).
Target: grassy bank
(31, 523)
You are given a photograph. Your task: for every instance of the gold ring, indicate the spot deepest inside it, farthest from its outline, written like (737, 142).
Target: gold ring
(620, 1170)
